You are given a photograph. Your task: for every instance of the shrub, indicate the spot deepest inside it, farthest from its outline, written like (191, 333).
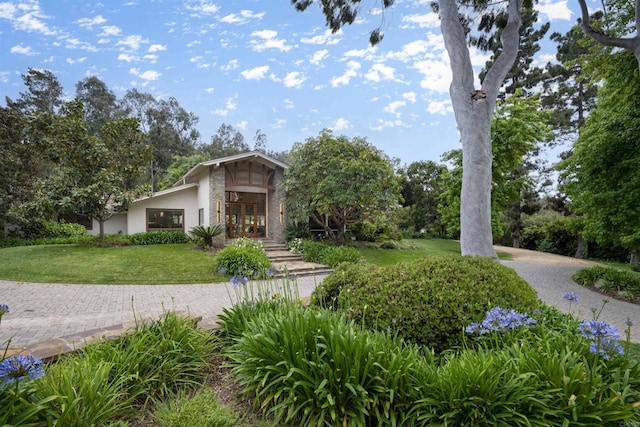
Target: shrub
(246, 261)
(327, 292)
(429, 302)
(322, 253)
(109, 241)
(158, 238)
(205, 235)
(611, 281)
(309, 367)
(389, 244)
(297, 230)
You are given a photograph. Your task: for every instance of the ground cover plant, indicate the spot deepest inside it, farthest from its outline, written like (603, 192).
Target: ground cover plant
(620, 284)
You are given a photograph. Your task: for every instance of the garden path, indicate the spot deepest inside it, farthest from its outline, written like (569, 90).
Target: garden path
(41, 312)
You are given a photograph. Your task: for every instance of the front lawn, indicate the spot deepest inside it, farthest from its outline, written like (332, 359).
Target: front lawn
(149, 264)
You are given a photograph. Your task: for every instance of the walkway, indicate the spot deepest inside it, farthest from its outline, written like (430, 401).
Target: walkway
(40, 312)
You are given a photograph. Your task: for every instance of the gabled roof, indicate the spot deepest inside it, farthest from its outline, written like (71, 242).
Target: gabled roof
(251, 155)
(173, 189)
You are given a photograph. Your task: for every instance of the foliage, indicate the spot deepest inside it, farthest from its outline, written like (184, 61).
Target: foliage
(107, 241)
(43, 229)
(339, 178)
(309, 367)
(297, 230)
(601, 175)
(296, 245)
(243, 261)
(611, 281)
(429, 302)
(421, 190)
(344, 275)
(375, 230)
(206, 234)
(158, 238)
(550, 232)
(327, 254)
(201, 409)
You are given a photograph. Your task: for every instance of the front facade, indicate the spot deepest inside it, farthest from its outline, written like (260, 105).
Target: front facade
(244, 192)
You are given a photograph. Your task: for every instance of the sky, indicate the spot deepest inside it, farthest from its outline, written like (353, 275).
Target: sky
(258, 64)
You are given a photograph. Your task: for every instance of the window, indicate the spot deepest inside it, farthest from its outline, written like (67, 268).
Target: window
(165, 219)
(201, 216)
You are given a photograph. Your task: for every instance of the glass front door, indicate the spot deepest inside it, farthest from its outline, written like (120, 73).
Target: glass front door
(246, 219)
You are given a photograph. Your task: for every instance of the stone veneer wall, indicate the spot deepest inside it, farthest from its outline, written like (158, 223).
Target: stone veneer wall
(216, 193)
(276, 197)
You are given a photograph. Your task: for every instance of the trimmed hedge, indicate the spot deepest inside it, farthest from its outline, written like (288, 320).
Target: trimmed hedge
(610, 281)
(426, 302)
(158, 238)
(330, 255)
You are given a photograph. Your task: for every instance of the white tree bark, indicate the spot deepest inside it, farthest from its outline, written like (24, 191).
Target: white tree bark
(473, 111)
(629, 43)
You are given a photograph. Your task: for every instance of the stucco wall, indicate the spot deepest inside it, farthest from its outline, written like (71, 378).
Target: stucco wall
(203, 196)
(115, 224)
(186, 199)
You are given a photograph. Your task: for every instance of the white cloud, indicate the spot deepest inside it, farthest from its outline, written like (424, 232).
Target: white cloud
(22, 50)
(241, 18)
(383, 124)
(437, 75)
(145, 75)
(110, 30)
(350, 72)
(27, 16)
(328, 38)
(230, 103)
(341, 124)
(127, 58)
(256, 73)
(231, 65)
(204, 7)
(243, 125)
(132, 42)
(209, 90)
(220, 112)
(280, 123)
(410, 96)
(266, 39)
(288, 104)
(151, 58)
(318, 56)
(74, 43)
(4, 75)
(361, 53)
(90, 22)
(379, 72)
(554, 11)
(440, 107)
(427, 20)
(157, 48)
(392, 107)
(294, 79)
(76, 61)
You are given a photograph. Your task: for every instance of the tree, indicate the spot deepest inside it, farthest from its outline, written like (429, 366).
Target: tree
(602, 178)
(473, 108)
(96, 175)
(179, 167)
(226, 142)
(44, 92)
(334, 180)
(421, 189)
(100, 103)
(626, 19)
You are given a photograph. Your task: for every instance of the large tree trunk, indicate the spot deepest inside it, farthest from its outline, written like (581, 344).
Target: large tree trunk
(101, 222)
(473, 111)
(635, 260)
(581, 250)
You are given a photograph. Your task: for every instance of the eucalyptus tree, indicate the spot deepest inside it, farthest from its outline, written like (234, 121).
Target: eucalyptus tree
(473, 107)
(100, 103)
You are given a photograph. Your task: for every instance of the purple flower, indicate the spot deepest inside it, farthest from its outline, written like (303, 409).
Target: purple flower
(20, 367)
(606, 348)
(629, 322)
(498, 319)
(595, 329)
(4, 308)
(570, 296)
(239, 280)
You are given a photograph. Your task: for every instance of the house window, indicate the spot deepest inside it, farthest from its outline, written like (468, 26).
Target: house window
(201, 216)
(165, 219)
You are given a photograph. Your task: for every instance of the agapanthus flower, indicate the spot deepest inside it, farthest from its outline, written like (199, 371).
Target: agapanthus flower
(570, 296)
(629, 323)
(594, 329)
(4, 308)
(222, 270)
(20, 367)
(607, 348)
(239, 280)
(498, 319)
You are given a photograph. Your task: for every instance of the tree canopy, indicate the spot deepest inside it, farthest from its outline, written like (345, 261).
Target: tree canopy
(335, 180)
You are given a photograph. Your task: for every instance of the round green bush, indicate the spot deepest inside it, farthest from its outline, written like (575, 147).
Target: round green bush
(327, 292)
(430, 302)
(246, 261)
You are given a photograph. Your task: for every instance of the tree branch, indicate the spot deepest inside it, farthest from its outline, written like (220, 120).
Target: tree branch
(625, 43)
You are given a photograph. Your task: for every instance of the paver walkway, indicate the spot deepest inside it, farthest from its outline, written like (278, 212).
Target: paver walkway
(41, 312)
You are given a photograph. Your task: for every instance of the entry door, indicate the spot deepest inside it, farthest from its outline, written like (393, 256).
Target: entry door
(246, 220)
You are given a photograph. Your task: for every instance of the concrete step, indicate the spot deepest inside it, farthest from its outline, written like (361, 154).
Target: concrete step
(274, 247)
(298, 268)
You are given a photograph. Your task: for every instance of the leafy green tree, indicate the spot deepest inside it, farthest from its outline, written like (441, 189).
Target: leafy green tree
(227, 141)
(179, 167)
(473, 107)
(44, 92)
(421, 189)
(602, 178)
(100, 103)
(337, 180)
(95, 175)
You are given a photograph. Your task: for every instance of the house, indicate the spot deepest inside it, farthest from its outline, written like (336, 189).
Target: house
(244, 191)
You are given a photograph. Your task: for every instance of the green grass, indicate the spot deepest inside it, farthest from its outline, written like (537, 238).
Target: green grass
(413, 249)
(153, 264)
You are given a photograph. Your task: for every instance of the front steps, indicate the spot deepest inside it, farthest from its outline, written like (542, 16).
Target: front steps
(291, 264)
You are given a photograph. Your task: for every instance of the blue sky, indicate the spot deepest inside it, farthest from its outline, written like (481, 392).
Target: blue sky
(256, 64)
